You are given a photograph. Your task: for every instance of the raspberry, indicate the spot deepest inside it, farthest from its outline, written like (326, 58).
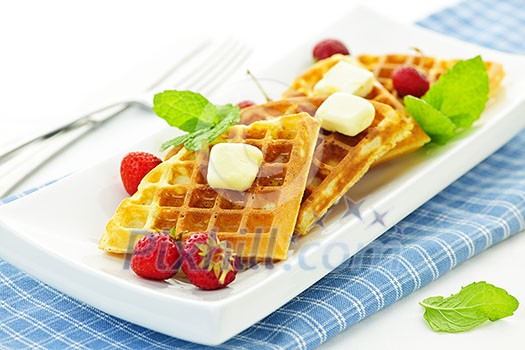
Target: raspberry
(156, 256)
(329, 47)
(408, 80)
(134, 167)
(208, 262)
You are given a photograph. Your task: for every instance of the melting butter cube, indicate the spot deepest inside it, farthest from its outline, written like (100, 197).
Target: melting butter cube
(347, 77)
(345, 113)
(233, 166)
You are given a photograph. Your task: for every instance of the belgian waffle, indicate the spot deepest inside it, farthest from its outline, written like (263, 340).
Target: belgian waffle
(304, 84)
(384, 65)
(339, 161)
(258, 222)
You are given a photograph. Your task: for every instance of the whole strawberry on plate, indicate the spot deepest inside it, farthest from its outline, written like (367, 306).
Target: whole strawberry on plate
(134, 167)
(156, 256)
(208, 262)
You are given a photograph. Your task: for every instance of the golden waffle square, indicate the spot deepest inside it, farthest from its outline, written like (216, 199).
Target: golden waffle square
(258, 222)
(384, 65)
(339, 161)
(304, 84)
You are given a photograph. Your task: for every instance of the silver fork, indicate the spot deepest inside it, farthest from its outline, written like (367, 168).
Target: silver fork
(212, 66)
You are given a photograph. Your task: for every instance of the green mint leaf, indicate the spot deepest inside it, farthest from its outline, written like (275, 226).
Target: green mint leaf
(464, 121)
(456, 100)
(437, 125)
(186, 110)
(192, 112)
(228, 115)
(462, 92)
(198, 139)
(175, 142)
(191, 141)
(473, 305)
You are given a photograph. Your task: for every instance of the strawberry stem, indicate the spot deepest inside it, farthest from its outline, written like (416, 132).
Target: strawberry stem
(259, 86)
(423, 58)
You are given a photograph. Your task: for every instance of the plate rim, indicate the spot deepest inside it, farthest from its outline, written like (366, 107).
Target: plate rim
(215, 310)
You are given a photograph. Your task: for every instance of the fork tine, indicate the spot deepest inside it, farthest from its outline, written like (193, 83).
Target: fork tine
(179, 64)
(219, 65)
(206, 71)
(212, 58)
(224, 54)
(225, 72)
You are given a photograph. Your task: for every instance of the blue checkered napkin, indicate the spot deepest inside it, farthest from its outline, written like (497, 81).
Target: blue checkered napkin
(482, 208)
(496, 24)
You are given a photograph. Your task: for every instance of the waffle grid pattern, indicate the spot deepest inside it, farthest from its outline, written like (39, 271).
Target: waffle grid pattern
(384, 66)
(339, 161)
(304, 86)
(258, 222)
(433, 240)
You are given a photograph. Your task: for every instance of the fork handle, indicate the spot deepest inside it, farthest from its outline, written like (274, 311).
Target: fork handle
(33, 154)
(101, 115)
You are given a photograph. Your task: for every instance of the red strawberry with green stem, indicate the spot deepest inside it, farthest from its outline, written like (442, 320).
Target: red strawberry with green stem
(134, 167)
(208, 262)
(156, 256)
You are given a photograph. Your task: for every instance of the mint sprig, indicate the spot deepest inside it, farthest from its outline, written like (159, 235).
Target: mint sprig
(436, 124)
(191, 112)
(473, 305)
(454, 102)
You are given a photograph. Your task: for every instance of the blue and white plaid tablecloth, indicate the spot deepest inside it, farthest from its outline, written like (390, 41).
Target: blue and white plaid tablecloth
(479, 210)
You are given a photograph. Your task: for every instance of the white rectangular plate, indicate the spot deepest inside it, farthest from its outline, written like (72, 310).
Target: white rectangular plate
(53, 233)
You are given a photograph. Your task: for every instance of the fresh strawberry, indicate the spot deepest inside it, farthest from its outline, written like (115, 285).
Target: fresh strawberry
(245, 103)
(134, 167)
(208, 262)
(409, 80)
(329, 47)
(156, 256)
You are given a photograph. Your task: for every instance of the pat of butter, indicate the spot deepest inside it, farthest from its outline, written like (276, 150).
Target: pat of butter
(347, 77)
(345, 113)
(233, 166)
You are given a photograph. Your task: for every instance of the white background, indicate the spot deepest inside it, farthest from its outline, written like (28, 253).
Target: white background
(61, 58)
